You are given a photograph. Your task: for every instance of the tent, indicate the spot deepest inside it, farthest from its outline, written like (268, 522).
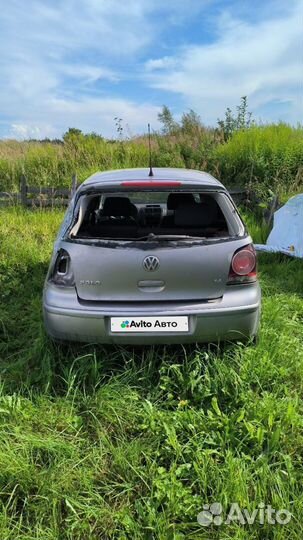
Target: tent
(287, 233)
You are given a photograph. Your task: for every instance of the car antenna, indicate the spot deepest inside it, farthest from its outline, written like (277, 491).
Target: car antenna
(150, 154)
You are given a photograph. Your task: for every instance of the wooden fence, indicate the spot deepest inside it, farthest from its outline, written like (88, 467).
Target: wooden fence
(51, 197)
(43, 197)
(39, 197)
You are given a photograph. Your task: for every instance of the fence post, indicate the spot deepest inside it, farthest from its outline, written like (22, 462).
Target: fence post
(74, 185)
(273, 207)
(23, 190)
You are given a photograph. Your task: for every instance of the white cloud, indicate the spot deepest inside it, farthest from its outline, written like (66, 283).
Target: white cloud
(87, 73)
(99, 114)
(66, 63)
(259, 60)
(90, 114)
(167, 62)
(53, 55)
(24, 131)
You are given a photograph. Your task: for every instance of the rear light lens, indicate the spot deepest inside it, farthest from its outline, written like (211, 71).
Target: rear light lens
(62, 273)
(243, 262)
(243, 267)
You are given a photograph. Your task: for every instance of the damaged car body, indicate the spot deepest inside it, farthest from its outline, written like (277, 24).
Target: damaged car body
(146, 260)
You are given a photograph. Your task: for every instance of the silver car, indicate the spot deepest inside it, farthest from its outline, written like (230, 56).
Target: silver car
(144, 259)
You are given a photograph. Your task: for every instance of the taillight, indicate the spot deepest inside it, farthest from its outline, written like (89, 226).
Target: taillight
(243, 268)
(62, 273)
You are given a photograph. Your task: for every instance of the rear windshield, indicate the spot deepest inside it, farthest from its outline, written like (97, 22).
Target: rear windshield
(141, 216)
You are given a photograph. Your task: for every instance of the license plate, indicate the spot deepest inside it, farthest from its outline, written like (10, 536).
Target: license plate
(127, 325)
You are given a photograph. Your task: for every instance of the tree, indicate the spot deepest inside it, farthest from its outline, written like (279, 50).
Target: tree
(119, 127)
(244, 119)
(169, 125)
(71, 134)
(231, 123)
(191, 122)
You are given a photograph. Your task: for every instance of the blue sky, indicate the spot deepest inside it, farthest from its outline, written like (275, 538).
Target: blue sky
(80, 63)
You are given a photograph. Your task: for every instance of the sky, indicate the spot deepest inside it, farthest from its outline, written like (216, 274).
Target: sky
(81, 63)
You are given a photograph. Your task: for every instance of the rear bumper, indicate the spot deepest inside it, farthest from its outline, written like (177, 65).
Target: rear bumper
(234, 317)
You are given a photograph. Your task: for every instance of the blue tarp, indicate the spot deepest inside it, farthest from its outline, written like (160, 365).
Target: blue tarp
(287, 233)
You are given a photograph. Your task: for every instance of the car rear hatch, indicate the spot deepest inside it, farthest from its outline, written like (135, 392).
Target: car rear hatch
(155, 270)
(121, 274)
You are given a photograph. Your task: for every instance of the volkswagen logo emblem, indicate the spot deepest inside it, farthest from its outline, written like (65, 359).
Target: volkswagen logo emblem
(151, 263)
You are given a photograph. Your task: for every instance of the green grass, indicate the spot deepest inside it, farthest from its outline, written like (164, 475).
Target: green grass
(262, 157)
(120, 443)
(269, 156)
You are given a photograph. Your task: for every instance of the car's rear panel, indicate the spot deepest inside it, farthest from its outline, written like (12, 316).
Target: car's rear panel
(197, 272)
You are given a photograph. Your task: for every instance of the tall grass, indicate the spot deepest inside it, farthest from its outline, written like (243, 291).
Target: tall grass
(54, 164)
(263, 157)
(121, 443)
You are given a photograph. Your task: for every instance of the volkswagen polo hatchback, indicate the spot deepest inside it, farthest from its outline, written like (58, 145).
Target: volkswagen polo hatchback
(145, 259)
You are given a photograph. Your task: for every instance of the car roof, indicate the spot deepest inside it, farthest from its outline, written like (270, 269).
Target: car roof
(165, 173)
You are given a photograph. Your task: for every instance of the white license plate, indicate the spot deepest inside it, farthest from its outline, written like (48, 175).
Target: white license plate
(149, 324)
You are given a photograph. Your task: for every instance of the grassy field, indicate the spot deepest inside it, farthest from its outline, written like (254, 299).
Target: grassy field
(122, 443)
